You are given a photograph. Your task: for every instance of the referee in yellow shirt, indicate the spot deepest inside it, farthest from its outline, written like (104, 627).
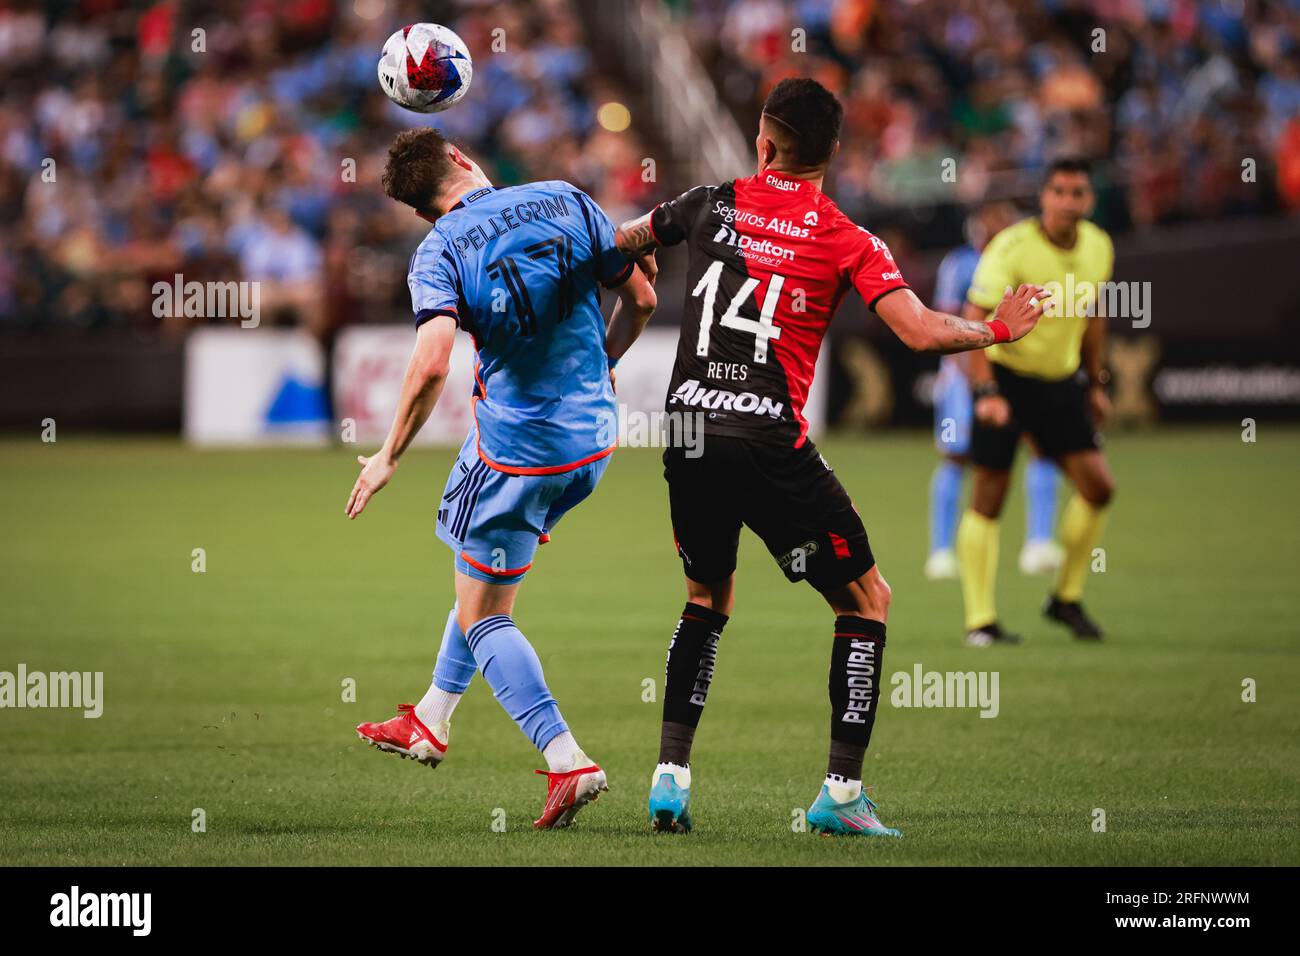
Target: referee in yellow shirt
(1035, 386)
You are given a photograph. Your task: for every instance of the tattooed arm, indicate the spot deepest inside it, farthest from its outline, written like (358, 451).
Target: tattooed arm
(924, 330)
(635, 238)
(668, 224)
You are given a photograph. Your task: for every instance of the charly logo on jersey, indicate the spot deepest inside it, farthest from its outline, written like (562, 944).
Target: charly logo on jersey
(785, 185)
(691, 392)
(749, 245)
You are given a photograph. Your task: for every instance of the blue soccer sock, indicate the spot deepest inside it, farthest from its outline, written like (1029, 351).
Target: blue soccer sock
(945, 505)
(456, 665)
(1041, 478)
(511, 668)
(451, 675)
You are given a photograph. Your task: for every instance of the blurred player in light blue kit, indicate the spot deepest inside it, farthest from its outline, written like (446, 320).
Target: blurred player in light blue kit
(519, 269)
(953, 412)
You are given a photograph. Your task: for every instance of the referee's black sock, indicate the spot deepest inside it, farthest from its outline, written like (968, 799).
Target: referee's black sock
(855, 678)
(691, 658)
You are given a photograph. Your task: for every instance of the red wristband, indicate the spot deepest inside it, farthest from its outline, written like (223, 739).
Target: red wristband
(1000, 331)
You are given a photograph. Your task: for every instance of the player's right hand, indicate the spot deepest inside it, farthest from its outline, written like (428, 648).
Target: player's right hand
(1021, 309)
(375, 473)
(992, 410)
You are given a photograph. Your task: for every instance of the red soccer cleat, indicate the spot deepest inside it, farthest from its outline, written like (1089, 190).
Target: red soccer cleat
(406, 736)
(569, 792)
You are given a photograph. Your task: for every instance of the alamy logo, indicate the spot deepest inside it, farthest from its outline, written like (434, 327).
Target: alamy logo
(75, 908)
(78, 690)
(957, 689)
(208, 300)
(1082, 298)
(631, 428)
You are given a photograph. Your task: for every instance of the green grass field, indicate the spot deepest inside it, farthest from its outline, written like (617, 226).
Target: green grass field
(223, 689)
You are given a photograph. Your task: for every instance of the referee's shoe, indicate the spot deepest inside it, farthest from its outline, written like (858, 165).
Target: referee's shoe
(1072, 615)
(990, 634)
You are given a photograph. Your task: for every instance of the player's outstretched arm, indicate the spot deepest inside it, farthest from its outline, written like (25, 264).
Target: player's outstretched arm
(425, 375)
(923, 329)
(636, 303)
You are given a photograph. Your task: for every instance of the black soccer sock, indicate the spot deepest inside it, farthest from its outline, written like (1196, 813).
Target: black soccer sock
(856, 659)
(691, 659)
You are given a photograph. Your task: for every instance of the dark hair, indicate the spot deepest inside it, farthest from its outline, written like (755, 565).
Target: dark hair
(417, 165)
(811, 114)
(1067, 164)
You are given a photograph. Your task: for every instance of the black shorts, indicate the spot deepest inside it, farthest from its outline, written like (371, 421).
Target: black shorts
(789, 497)
(1055, 414)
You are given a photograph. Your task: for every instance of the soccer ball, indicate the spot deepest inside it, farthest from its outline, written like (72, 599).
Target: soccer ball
(425, 67)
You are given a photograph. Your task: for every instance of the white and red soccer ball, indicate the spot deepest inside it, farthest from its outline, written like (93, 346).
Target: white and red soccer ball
(425, 67)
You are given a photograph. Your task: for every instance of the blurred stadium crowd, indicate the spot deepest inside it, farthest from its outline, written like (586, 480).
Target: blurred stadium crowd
(231, 160)
(1173, 93)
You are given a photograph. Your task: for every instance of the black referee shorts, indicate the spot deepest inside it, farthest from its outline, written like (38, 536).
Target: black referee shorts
(789, 497)
(1055, 414)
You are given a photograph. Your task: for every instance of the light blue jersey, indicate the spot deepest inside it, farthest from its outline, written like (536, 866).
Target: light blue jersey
(953, 281)
(518, 269)
(952, 399)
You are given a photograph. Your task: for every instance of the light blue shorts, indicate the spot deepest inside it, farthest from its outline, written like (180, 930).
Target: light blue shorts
(493, 521)
(953, 411)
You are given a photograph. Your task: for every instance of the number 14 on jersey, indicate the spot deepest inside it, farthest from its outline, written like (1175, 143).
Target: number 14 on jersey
(763, 329)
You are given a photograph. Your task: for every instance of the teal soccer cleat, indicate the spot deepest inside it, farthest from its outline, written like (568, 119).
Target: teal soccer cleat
(670, 799)
(855, 818)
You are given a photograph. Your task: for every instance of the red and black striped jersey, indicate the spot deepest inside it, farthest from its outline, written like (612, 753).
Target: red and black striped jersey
(770, 258)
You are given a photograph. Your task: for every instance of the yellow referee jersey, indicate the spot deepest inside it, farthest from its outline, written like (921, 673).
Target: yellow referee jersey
(1023, 253)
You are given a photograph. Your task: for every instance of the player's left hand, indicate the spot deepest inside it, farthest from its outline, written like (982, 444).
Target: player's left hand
(1099, 405)
(1021, 309)
(375, 473)
(648, 266)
